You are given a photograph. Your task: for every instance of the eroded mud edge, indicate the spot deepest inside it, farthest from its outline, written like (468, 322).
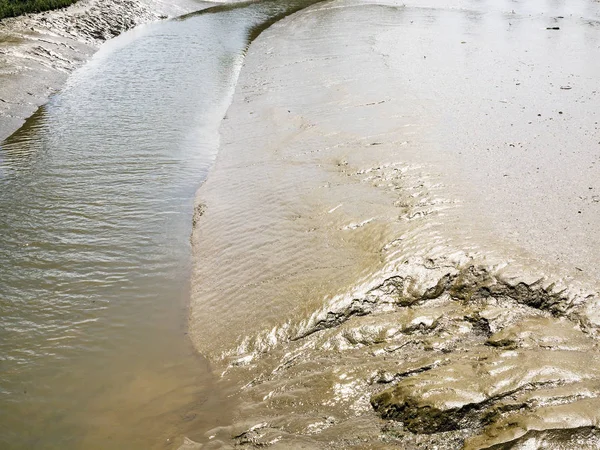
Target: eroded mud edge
(475, 358)
(443, 353)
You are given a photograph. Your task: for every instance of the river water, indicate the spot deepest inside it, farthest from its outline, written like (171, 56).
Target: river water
(96, 200)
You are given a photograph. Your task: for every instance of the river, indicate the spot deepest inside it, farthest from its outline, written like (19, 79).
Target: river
(96, 195)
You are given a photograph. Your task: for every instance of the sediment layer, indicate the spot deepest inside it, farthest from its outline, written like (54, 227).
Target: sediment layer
(356, 290)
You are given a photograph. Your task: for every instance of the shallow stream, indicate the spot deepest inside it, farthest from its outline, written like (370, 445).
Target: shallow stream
(96, 199)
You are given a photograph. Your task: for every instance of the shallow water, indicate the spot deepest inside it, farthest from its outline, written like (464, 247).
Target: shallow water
(96, 199)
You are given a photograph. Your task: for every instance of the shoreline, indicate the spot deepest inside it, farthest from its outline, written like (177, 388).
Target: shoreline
(349, 278)
(38, 52)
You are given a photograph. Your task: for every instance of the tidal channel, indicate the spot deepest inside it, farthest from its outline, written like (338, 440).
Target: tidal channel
(96, 201)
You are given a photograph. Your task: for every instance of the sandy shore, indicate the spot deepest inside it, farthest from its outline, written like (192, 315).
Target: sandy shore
(39, 51)
(397, 246)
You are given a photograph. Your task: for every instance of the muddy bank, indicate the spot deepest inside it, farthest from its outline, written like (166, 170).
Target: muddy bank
(39, 51)
(376, 262)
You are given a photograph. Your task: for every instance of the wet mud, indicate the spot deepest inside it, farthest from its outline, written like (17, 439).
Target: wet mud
(350, 286)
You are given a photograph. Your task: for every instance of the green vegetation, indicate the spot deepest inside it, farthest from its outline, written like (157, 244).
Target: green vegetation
(12, 8)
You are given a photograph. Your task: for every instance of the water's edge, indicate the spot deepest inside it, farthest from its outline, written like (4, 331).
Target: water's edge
(38, 52)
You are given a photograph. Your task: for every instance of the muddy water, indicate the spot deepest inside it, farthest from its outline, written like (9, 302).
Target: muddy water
(96, 196)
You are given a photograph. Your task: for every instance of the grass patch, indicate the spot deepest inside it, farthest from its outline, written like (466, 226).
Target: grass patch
(13, 8)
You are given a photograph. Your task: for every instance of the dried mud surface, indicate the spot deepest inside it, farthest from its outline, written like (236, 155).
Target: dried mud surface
(39, 51)
(353, 290)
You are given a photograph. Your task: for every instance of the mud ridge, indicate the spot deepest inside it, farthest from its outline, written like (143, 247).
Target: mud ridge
(421, 280)
(470, 283)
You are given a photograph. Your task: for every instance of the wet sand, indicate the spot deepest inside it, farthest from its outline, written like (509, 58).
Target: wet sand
(397, 247)
(39, 51)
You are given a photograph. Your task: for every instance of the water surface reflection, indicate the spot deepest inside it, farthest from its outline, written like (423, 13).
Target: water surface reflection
(96, 195)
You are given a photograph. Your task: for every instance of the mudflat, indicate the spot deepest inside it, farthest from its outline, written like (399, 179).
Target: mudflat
(397, 247)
